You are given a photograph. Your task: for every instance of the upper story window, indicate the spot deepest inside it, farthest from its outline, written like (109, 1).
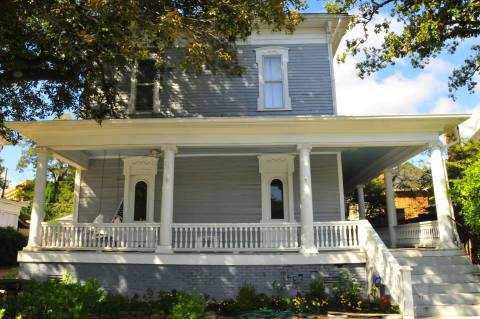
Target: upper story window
(273, 92)
(144, 93)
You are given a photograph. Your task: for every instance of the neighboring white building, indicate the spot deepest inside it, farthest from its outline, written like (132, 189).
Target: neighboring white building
(9, 212)
(223, 181)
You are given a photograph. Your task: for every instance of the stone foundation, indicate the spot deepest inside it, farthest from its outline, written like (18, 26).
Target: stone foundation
(217, 281)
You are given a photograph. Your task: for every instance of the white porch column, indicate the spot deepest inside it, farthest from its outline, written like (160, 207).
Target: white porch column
(391, 210)
(306, 202)
(166, 217)
(361, 201)
(442, 200)
(38, 204)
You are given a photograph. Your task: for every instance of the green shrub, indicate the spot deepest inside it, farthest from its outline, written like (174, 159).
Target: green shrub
(166, 300)
(189, 306)
(317, 289)
(12, 241)
(112, 306)
(346, 291)
(65, 299)
(225, 307)
(246, 298)
(280, 303)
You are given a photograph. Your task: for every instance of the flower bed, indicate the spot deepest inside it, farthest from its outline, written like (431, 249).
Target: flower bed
(69, 299)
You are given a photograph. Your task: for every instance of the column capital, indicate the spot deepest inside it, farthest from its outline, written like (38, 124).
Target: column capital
(169, 147)
(435, 145)
(360, 186)
(304, 147)
(388, 170)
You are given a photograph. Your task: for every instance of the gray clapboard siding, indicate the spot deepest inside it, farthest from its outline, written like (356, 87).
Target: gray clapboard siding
(217, 190)
(215, 95)
(213, 189)
(92, 192)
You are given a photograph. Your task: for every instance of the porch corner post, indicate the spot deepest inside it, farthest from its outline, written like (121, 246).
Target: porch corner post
(306, 201)
(361, 201)
(442, 200)
(38, 204)
(166, 217)
(391, 210)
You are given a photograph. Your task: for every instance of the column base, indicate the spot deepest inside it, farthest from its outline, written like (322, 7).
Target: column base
(164, 250)
(32, 248)
(447, 245)
(308, 250)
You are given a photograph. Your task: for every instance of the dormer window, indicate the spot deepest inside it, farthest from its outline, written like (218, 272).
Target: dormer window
(144, 93)
(273, 79)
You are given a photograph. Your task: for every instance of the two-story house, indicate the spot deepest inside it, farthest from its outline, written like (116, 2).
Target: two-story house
(212, 182)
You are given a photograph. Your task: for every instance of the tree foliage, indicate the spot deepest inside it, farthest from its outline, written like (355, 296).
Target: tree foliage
(429, 27)
(3, 178)
(60, 184)
(67, 55)
(466, 191)
(464, 172)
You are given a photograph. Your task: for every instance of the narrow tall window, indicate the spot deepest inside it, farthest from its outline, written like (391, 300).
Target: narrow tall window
(272, 75)
(140, 205)
(272, 79)
(144, 96)
(276, 199)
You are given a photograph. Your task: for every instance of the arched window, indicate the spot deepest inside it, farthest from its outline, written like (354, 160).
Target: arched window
(277, 199)
(140, 204)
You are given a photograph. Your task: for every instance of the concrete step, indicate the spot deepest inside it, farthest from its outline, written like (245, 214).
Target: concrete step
(447, 298)
(434, 260)
(444, 269)
(406, 253)
(452, 311)
(444, 278)
(446, 288)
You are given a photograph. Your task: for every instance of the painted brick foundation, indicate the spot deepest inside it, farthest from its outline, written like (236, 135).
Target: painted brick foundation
(217, 281)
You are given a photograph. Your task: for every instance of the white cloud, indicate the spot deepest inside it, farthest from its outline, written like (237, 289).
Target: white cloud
(396, 93)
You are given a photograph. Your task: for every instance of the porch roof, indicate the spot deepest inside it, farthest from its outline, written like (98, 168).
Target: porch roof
(259, 130)
(368, 144)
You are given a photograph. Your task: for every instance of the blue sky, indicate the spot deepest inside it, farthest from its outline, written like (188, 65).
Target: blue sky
(400, 89)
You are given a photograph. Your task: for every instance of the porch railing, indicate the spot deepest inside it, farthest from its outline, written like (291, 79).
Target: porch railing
(104, 236)
(422, 234)
(336, 235)
(198, 236)
(237, 237)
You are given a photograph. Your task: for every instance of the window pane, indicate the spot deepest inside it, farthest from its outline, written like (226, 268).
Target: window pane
(140, 207)
(272, 69)
(145, 71)
(276, 199)
(144, 98)
(273, 95)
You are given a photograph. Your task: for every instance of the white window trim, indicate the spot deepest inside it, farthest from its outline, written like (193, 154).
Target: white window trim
(278, 166)
(136, 169)
(283, 54)
(156, 108)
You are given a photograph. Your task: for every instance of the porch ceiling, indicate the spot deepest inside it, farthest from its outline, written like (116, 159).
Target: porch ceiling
(363, 164)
